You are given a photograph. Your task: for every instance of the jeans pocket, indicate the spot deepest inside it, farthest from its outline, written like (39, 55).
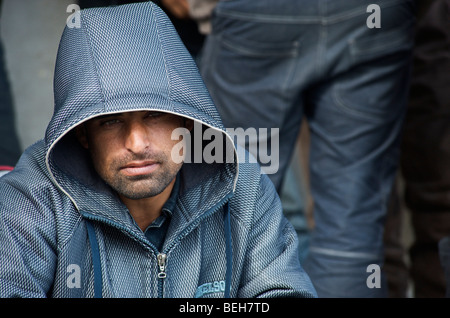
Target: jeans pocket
(252, 56)
(251, 48)
(381, 44)
(253, 38)
(375, 85)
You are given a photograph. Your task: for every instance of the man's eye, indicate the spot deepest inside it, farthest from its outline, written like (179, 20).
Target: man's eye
(109, 122)
(154, 114)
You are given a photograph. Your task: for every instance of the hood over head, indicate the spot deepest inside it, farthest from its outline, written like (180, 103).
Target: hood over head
(126, 58)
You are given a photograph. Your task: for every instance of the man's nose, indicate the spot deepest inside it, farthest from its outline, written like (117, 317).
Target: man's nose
(137, 137)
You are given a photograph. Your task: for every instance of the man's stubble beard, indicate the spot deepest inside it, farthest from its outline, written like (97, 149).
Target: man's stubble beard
(141, 186)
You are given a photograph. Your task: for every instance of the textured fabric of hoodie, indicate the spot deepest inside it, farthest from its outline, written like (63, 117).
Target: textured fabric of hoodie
(65, 233)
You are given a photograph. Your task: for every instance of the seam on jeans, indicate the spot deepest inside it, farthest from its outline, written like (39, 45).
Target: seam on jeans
(302, 19)
(206, 66)
(370, 116)
(330, 252)
(374, 118)
(392, 41)
(292, 51)
(291, 71)
(322, 43)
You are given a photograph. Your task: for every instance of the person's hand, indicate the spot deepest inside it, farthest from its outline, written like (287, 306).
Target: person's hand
(178, 8)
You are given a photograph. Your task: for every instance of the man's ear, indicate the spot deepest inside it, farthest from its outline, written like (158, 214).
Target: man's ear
(81, 134)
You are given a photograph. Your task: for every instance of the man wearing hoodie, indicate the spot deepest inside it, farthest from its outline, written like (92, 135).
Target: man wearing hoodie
(100, 208)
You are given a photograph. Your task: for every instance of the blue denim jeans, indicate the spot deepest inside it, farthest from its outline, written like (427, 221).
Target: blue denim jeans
(346, 68)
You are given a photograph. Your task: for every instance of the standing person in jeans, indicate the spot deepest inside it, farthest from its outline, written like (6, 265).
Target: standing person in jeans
(345, 65)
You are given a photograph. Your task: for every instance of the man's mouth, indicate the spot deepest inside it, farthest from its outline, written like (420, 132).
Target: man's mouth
(136, 168)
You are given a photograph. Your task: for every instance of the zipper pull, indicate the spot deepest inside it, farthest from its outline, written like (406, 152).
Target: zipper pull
(162, 265)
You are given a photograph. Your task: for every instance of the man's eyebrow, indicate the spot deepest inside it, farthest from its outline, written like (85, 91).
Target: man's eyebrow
(107, 116)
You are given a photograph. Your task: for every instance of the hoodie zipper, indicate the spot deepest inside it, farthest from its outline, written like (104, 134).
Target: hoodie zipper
(162, 257)
(162, 265)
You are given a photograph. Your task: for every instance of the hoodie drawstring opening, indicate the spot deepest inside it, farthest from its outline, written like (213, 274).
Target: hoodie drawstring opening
(228, 250)
(98, 283)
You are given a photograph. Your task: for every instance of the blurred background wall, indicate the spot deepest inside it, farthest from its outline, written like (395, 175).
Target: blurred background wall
(30, 31)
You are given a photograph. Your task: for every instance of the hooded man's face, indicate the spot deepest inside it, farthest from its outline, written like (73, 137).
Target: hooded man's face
(131, 151)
